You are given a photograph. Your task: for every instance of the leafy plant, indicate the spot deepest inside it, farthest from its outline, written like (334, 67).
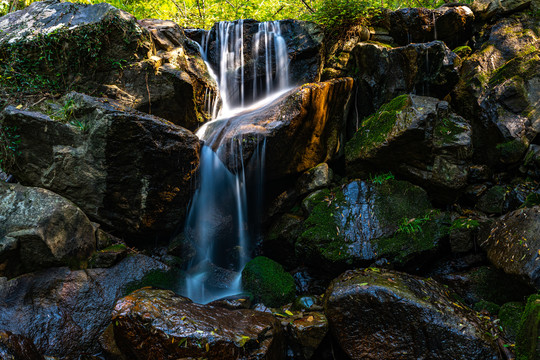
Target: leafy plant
(9, 147)
(381, 178)
(414, 225)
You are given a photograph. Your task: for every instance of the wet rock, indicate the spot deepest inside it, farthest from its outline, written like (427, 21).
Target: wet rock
(159, 324)
(279, 242)
(452, 24)
(485, 283)
(128, 171)
(307, 122)
(41, 229)
(418, 138)
(64, 312)
(513, 244)
(492, 202)
(498, 91)
(391, 315)
(359, 223)
(108, 257)
(384, 72)
(266, 280)
(306, 332)
(316, 178)
(17, 347)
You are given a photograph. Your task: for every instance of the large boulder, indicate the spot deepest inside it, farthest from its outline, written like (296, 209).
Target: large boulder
(390, 315)
(300, 129)
(383, 72)
(41, 229)
(64, 312)
(360, 222)
(159, 324)
(499, 90)
(89, 47)
(128, 171)
(418, 138)
(514, 242)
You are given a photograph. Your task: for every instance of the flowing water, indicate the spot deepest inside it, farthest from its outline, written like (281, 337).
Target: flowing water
(225, 211)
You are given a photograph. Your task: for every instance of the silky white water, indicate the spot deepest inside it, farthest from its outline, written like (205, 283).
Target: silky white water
(225, 212)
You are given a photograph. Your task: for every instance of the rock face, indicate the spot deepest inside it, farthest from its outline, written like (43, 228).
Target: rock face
(383, 72)
(129, 171)
(389, 315)
(41, 229)
(499, 87)
(358, 223)
(513, 244)
(419, 138)
(302, 129)
(64, 312)
(15, 347)
(452, 25)
(159, 324)
(148, 66)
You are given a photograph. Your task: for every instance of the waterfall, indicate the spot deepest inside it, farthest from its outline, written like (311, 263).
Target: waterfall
(226, 209)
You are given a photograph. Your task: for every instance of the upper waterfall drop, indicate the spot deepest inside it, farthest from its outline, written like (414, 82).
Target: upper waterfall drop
(226, 210)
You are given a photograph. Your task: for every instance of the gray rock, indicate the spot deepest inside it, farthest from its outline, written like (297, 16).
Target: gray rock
(129, 171)
(40, 229)
(316, 178)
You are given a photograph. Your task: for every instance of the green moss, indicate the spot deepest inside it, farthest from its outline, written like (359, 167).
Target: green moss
(446, 131)
(511, 151)
(158, 278)
(115, 247)
(488, 306)
(528, 338)
(523, 64)
(532, 200)
(496, 286)
(376, 128)
(266, 280)
(463, 51)
(464, 224)
(510, 315)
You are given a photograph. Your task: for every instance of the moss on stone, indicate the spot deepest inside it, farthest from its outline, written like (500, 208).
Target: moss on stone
(494, 285)
(488, 306)
(376, 128)
(510, 316)
(463, 51)
(266, 280)
(511, 151)
(162, 279)
(115, 247)
(446, 131)
(532, 200)
(528, 338)
(523, 64)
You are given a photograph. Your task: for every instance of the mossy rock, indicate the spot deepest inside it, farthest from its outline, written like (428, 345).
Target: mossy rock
(346, 223)
(463, 51)
(162, 279)
(512, 151)
(510, 316)
(528, 339)
(488, 306)
(266, 280)
(494, 285)
(492, 202)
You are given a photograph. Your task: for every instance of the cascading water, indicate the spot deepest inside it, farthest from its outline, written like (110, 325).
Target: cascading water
(225, 210)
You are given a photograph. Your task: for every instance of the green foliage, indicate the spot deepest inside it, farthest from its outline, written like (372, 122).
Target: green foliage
(339, 15)
(381, 178)
(464, 224)
(266, 280)
(411, 226)
(529, 331)
(532, 200)
(9, 147)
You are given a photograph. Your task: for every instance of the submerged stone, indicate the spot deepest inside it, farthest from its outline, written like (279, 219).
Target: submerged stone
(390, 315)
(159, 324)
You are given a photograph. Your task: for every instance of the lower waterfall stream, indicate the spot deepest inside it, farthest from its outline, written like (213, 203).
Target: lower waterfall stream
(223, 220)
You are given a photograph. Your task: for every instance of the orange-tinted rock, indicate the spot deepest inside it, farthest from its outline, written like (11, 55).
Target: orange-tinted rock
(158, 324)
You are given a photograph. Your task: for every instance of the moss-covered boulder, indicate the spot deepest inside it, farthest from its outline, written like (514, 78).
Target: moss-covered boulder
(510, 315)
(361, 222)
(513, 244)
(499, 92)
(390, 315)
(419, 138)
(266, 280)
(528, 338)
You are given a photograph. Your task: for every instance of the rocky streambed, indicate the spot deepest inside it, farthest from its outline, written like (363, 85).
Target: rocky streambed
(400, 213)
